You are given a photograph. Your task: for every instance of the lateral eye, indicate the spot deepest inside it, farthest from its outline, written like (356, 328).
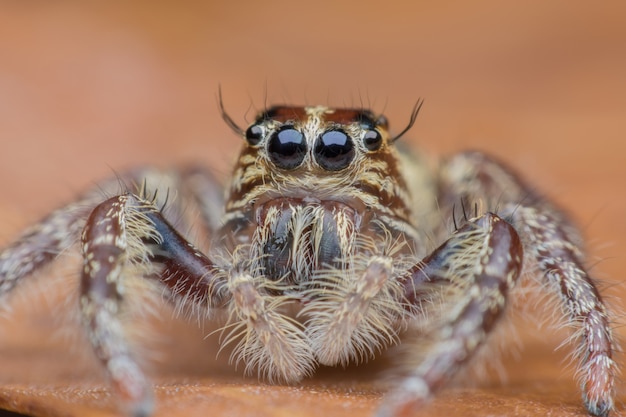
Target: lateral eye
(287, 147)
(254, 135)
(372, 139)
(382, 122)
(334, 150)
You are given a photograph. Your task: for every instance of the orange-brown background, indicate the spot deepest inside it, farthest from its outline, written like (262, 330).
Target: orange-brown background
(88, 88)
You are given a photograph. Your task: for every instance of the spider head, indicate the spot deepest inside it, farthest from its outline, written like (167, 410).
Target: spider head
(317, 141)
(317, 154)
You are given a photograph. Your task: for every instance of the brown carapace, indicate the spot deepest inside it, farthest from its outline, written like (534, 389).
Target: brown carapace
(331, 241)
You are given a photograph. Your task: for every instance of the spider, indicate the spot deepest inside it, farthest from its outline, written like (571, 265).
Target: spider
(327, 244)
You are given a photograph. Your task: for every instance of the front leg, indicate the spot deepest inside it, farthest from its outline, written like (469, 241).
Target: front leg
(119, 234)
(554, 248)
(126, 232)
(471, 274)
(55, 234)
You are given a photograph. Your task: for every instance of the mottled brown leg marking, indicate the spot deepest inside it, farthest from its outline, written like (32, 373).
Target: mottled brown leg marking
(40, 244)
(484, 259)
(560, 261)
(554, 245)
(105, 246)
(127, 231)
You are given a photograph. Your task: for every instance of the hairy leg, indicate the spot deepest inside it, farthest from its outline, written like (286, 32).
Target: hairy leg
(61, 230)
(201, 186)
(553, 247)
(127, 232)
(122, 233)
(476, 268)
(42, 242)
(353, 319)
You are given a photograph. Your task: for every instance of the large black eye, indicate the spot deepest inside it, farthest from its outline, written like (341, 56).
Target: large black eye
(334, 150)
(287, 148)
(254, 134)
(372, 139)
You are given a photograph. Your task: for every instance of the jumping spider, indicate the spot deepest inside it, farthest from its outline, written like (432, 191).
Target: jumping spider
(329, 242)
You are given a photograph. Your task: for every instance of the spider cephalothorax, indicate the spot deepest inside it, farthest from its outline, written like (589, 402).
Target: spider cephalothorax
(330, 241)
(317, 194)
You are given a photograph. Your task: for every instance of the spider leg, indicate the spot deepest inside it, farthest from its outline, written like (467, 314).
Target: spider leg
(268, 340)
(120, 233)
(42, 242)
(128, 231)
(478, 265)
(554, 247)
(354, 318)
(208, 193)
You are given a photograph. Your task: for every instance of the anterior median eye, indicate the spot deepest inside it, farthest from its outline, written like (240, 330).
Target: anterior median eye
(287, 148)
(334, 150)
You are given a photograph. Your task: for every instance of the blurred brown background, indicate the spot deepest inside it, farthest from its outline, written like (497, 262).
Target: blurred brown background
(90, 88)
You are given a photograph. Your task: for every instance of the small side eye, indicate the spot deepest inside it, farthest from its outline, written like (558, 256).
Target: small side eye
(372, 139)
(254, 134)
(382, 122)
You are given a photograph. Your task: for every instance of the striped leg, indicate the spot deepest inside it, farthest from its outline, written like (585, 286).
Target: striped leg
(122, 233)
(59, 231)
(552, 246)
(129, 232)
(42, 242)
(560, 261)
(118, 234)
(477, 266)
